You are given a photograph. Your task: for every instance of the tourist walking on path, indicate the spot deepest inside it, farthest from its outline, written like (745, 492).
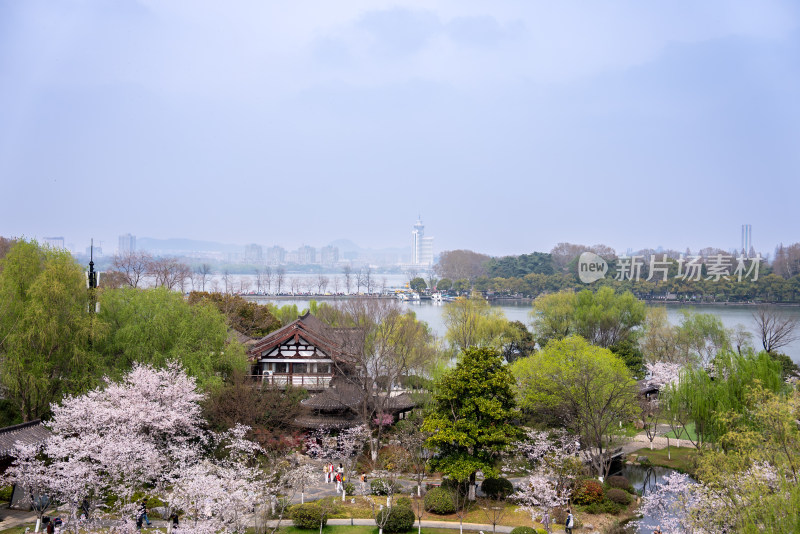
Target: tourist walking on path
(142, 519)
(570, 522)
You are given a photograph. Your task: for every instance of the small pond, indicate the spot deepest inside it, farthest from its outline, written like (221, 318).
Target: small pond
(644, 480)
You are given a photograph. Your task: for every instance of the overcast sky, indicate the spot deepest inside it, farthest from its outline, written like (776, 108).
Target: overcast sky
(509, 126)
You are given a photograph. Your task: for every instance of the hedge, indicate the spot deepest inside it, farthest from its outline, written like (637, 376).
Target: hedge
(400, 519)
(440, 501)
(308, 516)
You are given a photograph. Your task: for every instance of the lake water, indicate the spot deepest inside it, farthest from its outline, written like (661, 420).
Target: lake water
(644, 480)
(730, 315)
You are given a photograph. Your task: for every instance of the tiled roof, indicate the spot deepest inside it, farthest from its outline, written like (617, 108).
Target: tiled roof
(337, 341)
(326, 421)
(28, 433)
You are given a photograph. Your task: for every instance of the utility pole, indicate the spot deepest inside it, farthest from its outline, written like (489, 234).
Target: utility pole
(91, 283)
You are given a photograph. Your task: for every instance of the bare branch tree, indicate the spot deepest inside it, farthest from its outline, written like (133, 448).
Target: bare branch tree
(280, 276)
(202, 273)
(322, 284)
(259, 280)
(347, 271)
(168, 272)
(359, 280)
(268, 277)
(775, 329)
(337, 285)
(133, 265)
(226, 278)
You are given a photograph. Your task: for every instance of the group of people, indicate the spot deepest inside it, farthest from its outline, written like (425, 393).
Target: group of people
(334, 474)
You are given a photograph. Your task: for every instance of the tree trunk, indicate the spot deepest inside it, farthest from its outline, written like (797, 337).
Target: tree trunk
(471, 490)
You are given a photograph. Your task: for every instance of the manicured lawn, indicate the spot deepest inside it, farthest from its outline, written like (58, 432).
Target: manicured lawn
(346, 529)
(679, 458)
(689, 430)
(362, 510)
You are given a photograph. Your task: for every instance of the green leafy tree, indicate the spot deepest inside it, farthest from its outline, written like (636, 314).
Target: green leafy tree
(44, 328)
(471, 419)
(444, 284)
(242, 315)
(418, 284)
(603, 318)
(586, 386)
(472, 322)
(521, 343)
(553, 316)
(155, 326)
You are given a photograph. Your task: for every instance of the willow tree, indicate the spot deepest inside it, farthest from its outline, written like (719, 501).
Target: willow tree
(703, 394)
(471, 420)
(44, 327)
(471, 322)
(156, 326)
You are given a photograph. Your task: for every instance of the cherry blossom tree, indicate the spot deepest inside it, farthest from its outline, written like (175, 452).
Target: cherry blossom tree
(553, 455)
(30, 473)
(343, 448)
(662, 374)
(143, 435)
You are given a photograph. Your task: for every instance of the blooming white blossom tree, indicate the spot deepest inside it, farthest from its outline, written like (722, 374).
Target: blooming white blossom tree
(662, 374)
(343, 448)
(555, 465)
(143, 435)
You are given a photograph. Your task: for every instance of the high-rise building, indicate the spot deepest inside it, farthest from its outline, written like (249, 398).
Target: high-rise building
(329, 255)
(306, 255)
(54, 242)
(127, 244)
(276, 255)
(253, 253)
(422, 247)
(747, 238)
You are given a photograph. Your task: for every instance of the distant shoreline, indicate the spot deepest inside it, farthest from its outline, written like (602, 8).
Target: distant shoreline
(675, 303)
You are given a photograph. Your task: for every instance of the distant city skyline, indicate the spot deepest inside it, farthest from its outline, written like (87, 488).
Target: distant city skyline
(511, 126)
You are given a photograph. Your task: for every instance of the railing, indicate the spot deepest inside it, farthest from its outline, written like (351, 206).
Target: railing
(282, 380)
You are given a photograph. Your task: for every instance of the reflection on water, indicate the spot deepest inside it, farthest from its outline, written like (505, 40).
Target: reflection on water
(644, 480)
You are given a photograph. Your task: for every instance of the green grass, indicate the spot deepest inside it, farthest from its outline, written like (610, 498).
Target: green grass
(679, 458)
(689, 430)
(347, 529)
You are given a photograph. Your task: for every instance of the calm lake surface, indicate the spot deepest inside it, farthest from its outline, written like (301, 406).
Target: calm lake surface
(730, 315)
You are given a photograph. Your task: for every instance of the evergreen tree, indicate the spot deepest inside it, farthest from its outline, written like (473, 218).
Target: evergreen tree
(471, 417)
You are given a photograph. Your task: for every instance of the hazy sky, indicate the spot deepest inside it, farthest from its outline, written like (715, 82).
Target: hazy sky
(509, 126)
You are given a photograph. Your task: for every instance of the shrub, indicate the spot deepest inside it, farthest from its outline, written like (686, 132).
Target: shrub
(497, 488)
(308, 516)
(440, 501)
(5, 493)
(604, 507)
(349, 488)
(559, 515)
(403, 501)
(454, 485)
(400, 519)
(621, 482)
(523, 530)
(394, 458)
(618, 496)
(589, 491)
(381, 486)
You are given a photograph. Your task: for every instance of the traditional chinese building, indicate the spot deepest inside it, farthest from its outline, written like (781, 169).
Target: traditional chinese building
(309, 354)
